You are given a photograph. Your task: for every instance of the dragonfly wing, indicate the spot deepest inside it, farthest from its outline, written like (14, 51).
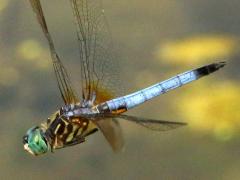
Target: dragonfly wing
(112, 132)
(62, 76)
(156, 125)
(98, 73)
(153, 124)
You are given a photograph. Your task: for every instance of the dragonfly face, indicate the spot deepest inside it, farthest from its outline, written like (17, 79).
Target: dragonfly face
(34, 141)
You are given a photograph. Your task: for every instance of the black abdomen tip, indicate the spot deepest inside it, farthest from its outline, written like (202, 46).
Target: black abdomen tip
(208, 69)
(220, 65)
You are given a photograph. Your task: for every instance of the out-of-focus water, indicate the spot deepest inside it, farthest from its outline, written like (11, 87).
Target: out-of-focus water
(153, 40)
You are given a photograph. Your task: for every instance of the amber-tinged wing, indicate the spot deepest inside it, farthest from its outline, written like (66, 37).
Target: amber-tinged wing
(97, 67)
(63, 80)
(112, 132)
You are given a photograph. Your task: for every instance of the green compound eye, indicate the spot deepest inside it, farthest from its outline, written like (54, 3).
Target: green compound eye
(36, 142)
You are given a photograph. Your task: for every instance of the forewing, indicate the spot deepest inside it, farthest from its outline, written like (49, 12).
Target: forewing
(62, 76)
(97, 67)
(112, 132)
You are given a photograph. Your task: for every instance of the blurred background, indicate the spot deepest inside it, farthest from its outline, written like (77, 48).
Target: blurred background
(153, 40)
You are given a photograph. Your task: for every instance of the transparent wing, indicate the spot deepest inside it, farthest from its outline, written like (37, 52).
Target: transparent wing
(111, 129)
(156, 125)
(153, 124)
(63, 80)
(112, 132)
(97, 68)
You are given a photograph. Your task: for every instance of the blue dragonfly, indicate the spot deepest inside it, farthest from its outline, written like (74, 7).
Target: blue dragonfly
(98, 108)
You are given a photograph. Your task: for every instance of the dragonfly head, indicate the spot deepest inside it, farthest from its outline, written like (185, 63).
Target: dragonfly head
(35, 142)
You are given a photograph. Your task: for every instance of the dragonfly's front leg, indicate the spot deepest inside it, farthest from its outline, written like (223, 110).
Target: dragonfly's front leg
(75, 141)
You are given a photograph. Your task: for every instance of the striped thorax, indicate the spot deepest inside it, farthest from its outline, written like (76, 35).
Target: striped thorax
(64, 128)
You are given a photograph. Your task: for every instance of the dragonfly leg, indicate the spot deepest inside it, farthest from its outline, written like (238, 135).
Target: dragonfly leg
(75, 141)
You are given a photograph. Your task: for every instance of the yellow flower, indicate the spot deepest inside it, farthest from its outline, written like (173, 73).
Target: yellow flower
(3, 4)
(31, 50)
(197, 49)
(213, 109)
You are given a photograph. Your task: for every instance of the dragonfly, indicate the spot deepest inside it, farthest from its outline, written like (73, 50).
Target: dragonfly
(98, 108)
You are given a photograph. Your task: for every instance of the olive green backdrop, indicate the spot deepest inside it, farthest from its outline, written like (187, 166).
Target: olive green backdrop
(153, 40)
